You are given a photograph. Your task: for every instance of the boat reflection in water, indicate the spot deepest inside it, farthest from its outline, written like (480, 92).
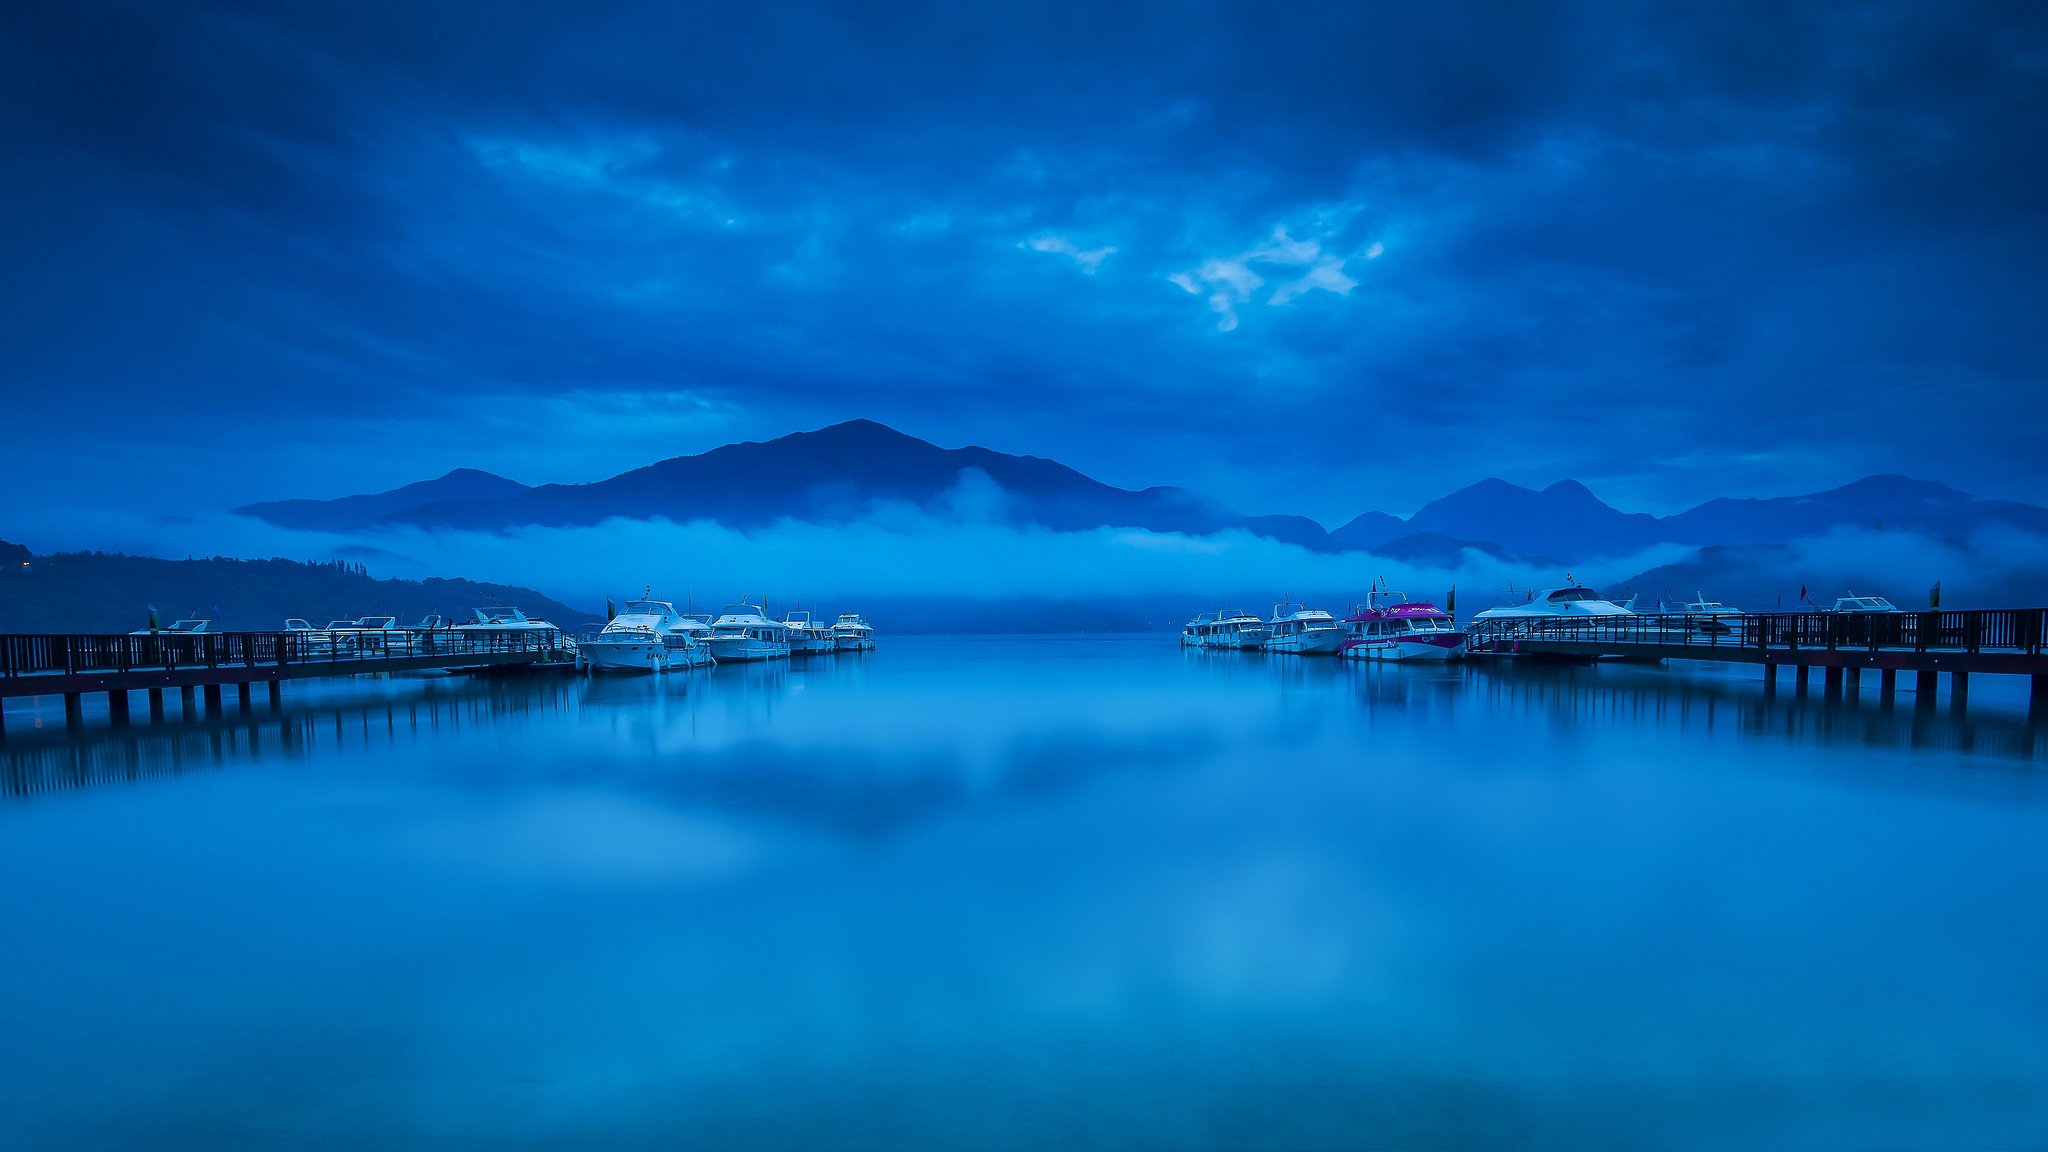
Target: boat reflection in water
(977, 892)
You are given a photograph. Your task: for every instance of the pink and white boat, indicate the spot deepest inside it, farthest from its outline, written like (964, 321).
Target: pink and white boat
(1387, 628)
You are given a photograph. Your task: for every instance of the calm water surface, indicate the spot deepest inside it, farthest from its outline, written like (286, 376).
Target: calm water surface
(1025, 894)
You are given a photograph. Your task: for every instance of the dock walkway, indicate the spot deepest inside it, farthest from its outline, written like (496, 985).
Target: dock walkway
(72, 665)
(2002, 641)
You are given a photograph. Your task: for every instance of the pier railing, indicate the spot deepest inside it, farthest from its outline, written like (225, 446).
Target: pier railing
(86, 655)
(2010, 630)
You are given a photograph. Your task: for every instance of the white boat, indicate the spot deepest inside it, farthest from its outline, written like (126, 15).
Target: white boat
(633, 640)
(189, 627)
(741, 632)
(1854, 605)
(1571, 602)
(510, 627)
(1303, 631)
(1701, 615)
(689, 641)
(1230, 629)
(805, 635)
(850, 633)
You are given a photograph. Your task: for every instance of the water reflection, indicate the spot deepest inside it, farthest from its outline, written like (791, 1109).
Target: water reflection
(1031, 893)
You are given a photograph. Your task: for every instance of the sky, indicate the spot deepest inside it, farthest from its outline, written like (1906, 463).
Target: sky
(1306, 258)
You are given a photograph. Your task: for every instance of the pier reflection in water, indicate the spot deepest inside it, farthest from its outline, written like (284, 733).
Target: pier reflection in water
(1018, 893)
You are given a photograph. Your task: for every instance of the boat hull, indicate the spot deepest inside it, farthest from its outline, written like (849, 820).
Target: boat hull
(1421, 648)
(1317, 642)
(636, 656)
(853, 644)
(740, 649)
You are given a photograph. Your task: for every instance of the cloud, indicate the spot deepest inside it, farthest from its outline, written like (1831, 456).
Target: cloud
(1230, 281)
(1087, 259)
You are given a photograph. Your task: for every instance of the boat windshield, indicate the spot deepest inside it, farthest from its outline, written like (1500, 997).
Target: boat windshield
(1571, 595)
(187, 626)
(380, 623)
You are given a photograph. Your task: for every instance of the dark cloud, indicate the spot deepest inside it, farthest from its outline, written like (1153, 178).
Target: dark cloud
(1319, 259)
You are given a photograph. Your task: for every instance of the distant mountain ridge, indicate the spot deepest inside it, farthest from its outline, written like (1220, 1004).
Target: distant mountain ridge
(463, 484)
(110, 592)
(845, 471)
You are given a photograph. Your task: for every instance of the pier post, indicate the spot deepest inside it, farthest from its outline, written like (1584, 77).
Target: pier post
(1770, 681)
(1832, 682)
(242, 697)
(187, 703)
(276, 696)
(1923, 689)
(1958, 691)
(1854, 676)
(156, 705)
(3, 716)
(1799, 677)
(117, 707)
(213, 699)
(2037, 701)
(1887, 686)
(74, 710)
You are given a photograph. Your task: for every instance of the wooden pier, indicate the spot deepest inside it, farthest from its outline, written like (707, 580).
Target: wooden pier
(2002, 641)
(202, 666)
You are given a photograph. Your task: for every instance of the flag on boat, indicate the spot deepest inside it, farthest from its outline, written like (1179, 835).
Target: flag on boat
(610, 613)
(1451, 601)
(1934, 595)
(153, 625)
(1802, 593)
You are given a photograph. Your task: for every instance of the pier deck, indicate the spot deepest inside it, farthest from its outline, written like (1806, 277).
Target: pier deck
(2003, 641)
(71, 665)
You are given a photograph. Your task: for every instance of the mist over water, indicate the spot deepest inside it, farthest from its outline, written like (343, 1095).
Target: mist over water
(1026, 893)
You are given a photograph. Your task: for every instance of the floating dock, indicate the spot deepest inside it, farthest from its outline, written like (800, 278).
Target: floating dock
(1995, 641)
(206, 663)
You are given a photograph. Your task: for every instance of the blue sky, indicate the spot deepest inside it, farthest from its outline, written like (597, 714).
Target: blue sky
(1316, 260)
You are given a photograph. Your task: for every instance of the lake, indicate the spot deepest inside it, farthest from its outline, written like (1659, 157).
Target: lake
(1024, 893)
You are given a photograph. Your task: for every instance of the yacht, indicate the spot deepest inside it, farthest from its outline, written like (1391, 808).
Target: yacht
(1230, 628)
(741, 632)
(689, 641)
(850, 633)
(1302, 631)
(510, 626)
(1572, 602)
(190, 627)
(1701, 615)
(1854, 605)
(806, 636)
(634, 640)
(1387, 628)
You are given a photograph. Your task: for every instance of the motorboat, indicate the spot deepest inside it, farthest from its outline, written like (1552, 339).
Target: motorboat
(191, 626)
(1572, 602)
(509, 628)
(1701, 615)
(850, 633)
(806, 636)
(633, 640)
(1391, 627)
(742, 633)
(1854, 605)
(1303, 631)
(1231, 628)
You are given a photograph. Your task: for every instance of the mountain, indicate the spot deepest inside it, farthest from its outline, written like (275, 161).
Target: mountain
(108, 592)
(1368, 531)
(467, 485)
(1874, 502)
(1563, 518)
(853, 470)
(832, 475)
